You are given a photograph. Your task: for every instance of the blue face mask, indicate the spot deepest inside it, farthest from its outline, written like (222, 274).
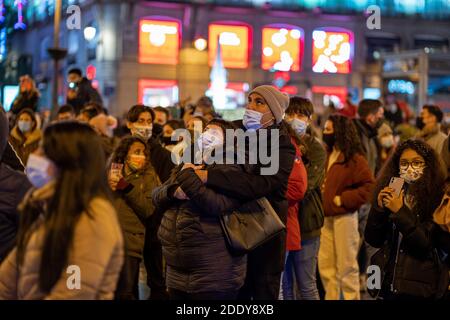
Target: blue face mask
(37, 170)
(299, 126)
(252, 119)
(24, 126)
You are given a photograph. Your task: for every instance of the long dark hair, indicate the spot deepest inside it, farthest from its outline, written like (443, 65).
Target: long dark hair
(121, 152)
(74, 149)
(429, 189)
(347, 138)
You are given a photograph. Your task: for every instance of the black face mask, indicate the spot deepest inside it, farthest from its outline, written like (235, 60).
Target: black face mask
(157, 129)
(167, 141)
(419, 123)
(329, 139)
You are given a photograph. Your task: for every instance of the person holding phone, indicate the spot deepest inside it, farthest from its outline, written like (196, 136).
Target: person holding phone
(132, 178)
(401, 224)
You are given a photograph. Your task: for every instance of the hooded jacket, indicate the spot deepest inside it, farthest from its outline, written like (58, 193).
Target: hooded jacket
(194, 247)
(24, 146)
(13, 187)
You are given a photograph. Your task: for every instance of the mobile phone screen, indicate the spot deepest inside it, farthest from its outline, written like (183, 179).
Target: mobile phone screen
(397, 185)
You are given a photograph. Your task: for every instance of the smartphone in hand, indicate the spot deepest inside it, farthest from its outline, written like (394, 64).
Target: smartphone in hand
(397, 184)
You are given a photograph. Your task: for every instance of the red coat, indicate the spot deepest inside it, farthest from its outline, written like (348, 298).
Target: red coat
(352, 181)
(296, 190)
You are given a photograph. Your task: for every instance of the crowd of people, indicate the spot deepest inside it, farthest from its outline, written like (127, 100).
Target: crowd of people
(117, 199)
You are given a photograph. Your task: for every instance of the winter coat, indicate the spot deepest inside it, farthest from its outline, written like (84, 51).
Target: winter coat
(97, 251)
(85, 93)
(296, 189)
(25, 100)
(352, 181)
(311, 216)
(13, 187)
(434, 138)
(194, 247)
(370, 144)
(407, 256)
(160, 159)
(25, 146)
(134, 206)
(250, 186)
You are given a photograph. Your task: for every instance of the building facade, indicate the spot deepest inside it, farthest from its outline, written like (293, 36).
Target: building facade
(150, 52)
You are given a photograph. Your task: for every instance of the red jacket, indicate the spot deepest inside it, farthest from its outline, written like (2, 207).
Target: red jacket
(296, 190)
(352, 181)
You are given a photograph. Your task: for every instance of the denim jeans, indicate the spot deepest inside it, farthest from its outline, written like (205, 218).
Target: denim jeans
(304, 263)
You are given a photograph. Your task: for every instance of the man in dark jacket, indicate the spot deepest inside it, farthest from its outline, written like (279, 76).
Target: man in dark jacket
(264, 110)
(80, 90)
(13, 186)
(370, 119)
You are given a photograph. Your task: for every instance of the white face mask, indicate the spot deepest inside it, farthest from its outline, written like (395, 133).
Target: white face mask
(252, 119)
(209, 139)
(387, 141)
(411, 175)
(144, 132)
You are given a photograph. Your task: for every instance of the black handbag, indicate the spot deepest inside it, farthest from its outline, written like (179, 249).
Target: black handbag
(250, 226)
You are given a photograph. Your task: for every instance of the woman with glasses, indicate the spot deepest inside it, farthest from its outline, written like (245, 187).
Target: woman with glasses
(401, 225)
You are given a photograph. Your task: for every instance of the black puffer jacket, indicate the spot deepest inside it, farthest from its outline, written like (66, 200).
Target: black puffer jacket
(13, 187)
(269, 257)
(407, 257)
(193, 243)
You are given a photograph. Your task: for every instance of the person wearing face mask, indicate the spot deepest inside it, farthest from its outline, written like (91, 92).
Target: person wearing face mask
(13, 187)
(66, 220)
(401, 225)
(199, 264)
(168, 129)
(310, 214)
(348, 185)
(25, 135)
(140, 123)
(132, 186)
(264, 113)
(387, 142)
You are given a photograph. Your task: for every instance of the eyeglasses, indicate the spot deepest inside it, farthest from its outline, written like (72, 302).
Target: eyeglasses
(416, 164)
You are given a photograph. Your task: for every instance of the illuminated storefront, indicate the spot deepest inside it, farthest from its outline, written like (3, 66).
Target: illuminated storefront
(282, 47)
(332, 51)
(159, 41)
(162, 93)
(235, 94)
(235, 40)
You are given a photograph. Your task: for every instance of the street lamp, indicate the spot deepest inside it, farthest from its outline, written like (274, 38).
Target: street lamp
(56, 53)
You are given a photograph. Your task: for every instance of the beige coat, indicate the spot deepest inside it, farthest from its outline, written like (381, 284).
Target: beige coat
(98, 251)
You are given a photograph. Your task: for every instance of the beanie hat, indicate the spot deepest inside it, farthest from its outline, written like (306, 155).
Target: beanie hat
(275, 99)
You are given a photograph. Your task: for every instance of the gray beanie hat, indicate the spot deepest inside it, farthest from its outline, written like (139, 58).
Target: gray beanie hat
(276, 100)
